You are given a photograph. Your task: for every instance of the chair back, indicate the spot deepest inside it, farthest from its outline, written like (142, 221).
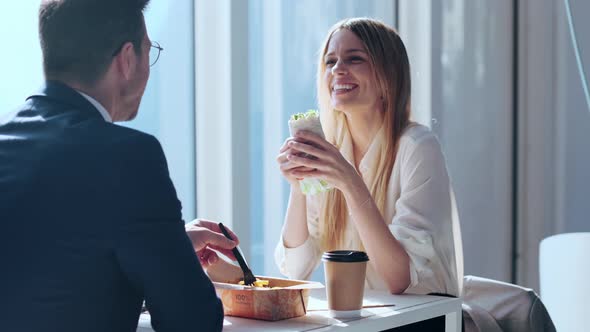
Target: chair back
(495, 306)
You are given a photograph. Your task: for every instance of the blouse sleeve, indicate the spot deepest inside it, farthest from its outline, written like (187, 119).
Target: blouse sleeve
(301, 261)
(423, 218)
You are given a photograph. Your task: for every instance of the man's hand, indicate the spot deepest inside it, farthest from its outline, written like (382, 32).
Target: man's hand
(206, 235)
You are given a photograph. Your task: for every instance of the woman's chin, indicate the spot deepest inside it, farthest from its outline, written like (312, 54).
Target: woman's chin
(338, 105)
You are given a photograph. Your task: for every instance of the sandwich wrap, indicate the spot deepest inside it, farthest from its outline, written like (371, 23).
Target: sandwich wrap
(309, 121)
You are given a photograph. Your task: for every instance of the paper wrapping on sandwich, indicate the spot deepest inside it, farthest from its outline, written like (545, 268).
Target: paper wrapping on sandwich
(309, 121)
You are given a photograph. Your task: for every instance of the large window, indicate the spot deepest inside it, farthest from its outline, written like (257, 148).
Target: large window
(256, 70)
(460, 54)
(20, 57)
(167, 109)
(284, 39)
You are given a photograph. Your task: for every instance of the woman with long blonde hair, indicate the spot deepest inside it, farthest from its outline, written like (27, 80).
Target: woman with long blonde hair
(392, 196)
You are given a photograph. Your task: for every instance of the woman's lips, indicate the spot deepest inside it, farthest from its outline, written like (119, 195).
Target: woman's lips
(343, 88)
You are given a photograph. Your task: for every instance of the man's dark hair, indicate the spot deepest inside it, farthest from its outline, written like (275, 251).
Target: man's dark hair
(80, 37)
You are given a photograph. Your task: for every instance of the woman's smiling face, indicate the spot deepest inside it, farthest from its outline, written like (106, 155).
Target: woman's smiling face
(349, 74)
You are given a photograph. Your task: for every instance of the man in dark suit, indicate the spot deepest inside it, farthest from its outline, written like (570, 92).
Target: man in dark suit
(90, 224)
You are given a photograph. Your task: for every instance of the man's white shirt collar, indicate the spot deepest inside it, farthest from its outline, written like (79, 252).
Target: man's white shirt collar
(99, 107)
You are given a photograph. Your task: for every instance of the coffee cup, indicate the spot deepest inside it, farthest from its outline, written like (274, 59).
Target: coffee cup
(345, 272)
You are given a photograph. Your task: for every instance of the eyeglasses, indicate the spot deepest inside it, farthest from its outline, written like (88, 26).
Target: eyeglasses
(155, 50)
(154, 55)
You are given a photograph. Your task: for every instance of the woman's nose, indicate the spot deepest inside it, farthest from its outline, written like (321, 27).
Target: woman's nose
(339, 68)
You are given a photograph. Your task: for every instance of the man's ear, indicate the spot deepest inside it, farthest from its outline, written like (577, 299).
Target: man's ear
(126, 60)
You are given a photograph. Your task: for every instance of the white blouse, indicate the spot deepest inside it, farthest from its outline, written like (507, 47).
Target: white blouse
(420, 211)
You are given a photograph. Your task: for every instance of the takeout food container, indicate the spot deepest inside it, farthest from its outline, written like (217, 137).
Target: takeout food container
(284, 299)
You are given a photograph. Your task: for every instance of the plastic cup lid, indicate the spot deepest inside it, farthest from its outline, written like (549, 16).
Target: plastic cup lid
(345, 256)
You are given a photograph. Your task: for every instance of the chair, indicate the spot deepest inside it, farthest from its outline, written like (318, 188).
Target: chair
(495, 306)
(564, 264)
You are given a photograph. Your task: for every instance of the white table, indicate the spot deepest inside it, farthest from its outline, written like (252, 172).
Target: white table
(381, 311)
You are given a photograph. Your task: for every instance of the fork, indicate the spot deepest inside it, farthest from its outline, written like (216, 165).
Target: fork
(249, 278)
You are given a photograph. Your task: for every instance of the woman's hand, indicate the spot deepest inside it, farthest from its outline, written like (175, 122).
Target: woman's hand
(289, 168)
(206, 237)
(322, 160)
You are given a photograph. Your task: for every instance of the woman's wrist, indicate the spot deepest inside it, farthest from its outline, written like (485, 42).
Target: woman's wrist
(356, 194)
(296, 189)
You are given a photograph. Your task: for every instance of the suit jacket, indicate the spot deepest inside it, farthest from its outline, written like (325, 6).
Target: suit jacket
(90, 226)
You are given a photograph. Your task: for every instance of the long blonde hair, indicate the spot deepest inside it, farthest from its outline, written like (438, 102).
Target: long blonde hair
(391, 68)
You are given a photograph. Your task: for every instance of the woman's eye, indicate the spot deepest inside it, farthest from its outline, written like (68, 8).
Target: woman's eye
(356, 59)
(330, 62)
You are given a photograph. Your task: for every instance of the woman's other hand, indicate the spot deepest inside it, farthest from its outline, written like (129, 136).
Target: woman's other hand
(323, 160)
